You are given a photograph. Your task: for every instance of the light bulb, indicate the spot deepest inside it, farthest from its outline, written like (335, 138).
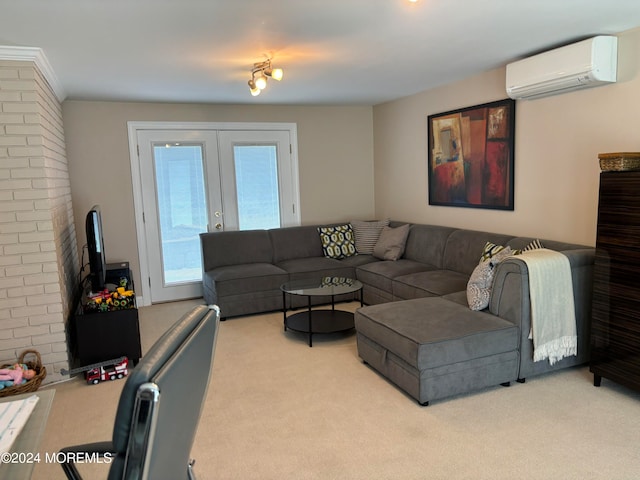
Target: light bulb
(277, 74)
(261, 82)
(255, 91)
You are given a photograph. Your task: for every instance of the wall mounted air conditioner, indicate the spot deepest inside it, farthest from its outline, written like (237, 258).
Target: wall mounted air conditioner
(584, 64)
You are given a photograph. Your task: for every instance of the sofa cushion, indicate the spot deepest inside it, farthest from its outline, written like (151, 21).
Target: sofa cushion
(295, 242)
(246, 278)
(366, 234)
(425, 284)
(457, 297)
(391, 243)
(235, 247)
(426, 244)
(316, 267)
(381, 273)
(337, 241)
(357, 260)
(464, 248)
(431, 332)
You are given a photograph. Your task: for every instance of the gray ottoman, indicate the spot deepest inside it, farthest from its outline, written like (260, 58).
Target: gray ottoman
(434, 347)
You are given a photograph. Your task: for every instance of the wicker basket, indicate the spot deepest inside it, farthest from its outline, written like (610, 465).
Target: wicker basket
(619, 162)
(30, 385)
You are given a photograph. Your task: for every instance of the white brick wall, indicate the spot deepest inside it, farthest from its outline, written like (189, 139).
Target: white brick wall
(38, 253)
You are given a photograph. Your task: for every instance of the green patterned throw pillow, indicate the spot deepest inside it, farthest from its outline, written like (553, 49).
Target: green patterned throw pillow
(338, 241)
(490, 249)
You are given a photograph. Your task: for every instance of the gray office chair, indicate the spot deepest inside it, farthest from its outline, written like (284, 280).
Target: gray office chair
(160, 405)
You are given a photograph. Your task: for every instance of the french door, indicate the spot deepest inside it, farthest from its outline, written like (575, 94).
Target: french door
(195, 180)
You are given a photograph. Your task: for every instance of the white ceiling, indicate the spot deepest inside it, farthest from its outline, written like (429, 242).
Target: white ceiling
(333, 51)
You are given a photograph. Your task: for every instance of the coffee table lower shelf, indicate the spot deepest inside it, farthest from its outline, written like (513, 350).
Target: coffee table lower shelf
(319, 321)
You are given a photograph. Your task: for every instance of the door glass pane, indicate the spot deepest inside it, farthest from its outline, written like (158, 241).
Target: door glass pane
(256, 168)
(182, 210)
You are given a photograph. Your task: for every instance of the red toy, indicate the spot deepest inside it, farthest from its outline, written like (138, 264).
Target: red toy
(108, 372)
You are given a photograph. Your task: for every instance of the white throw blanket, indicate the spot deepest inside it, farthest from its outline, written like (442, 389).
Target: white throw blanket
(553, 318)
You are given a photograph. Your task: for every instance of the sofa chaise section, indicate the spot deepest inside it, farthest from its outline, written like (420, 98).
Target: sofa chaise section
(434, 348)
(385, 331)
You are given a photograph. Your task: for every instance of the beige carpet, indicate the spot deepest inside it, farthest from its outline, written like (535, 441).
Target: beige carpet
(278, 409)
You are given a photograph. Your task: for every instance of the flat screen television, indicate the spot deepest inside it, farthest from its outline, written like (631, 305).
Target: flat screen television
(95, 247)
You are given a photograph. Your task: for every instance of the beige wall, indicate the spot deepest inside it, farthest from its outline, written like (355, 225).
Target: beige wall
(348, 153)
(557, 143)
(335, 150)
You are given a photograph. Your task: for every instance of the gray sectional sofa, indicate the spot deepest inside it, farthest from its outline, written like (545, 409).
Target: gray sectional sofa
(417, 329)
(243, 270)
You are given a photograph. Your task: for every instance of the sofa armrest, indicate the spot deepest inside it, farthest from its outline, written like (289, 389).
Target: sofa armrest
(580, 257)
(510, 291)
(510, 301)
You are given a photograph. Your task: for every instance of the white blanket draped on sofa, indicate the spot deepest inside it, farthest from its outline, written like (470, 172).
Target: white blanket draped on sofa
(553, 320)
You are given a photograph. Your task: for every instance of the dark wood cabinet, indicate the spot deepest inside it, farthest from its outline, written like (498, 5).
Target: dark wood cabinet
(99, 336)
(108, 335)
(615, 328)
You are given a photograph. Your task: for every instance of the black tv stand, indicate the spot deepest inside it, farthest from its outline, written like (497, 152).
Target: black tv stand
(103, 335)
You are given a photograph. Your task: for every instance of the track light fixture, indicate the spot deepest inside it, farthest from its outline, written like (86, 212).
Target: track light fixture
(259, 74)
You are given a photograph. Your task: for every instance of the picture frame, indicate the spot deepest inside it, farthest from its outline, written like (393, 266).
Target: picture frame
(471, 156)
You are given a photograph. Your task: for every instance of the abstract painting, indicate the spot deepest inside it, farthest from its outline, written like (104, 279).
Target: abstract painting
(471, 156)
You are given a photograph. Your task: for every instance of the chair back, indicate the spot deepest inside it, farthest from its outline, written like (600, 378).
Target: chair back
(161, 401)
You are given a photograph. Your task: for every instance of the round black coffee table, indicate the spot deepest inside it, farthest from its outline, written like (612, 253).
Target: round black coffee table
(321, 320)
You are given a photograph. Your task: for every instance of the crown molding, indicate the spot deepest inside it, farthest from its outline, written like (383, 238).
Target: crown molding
(37, 56)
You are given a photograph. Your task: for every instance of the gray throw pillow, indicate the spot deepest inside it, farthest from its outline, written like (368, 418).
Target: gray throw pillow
(390, 245)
